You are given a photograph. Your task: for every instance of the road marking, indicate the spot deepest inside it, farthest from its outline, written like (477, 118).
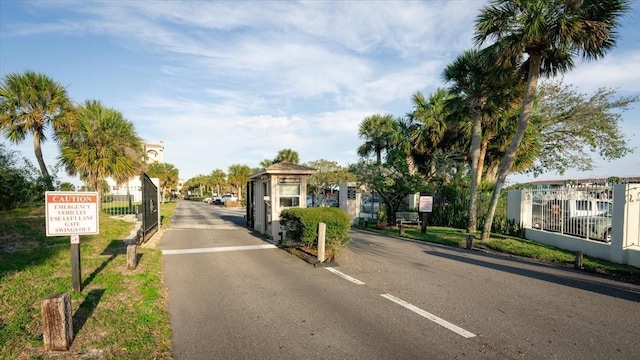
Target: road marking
(217, 249)
(456, 329)
(345, 276)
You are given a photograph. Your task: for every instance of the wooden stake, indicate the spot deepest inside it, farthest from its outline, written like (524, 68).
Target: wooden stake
(57, 324)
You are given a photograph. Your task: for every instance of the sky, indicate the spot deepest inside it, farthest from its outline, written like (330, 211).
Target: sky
(234, 82)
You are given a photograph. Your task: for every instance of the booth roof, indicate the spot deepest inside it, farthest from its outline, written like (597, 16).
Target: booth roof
(285, 167)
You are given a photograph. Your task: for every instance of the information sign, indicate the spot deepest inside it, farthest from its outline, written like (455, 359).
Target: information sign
(426, 204)
(71, 213)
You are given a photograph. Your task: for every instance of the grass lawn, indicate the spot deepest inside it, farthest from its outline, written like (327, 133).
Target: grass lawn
(119, 314)
(514, 246)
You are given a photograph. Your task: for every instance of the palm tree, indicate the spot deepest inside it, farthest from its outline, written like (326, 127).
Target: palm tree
(218, 180)
(484, 91)
(29, 104)
(377, 131)
(286, 155)
(101, 143)
(168, 175)
(551, 33)
(239, 176)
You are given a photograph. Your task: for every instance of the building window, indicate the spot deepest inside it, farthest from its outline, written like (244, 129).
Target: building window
(289, 195)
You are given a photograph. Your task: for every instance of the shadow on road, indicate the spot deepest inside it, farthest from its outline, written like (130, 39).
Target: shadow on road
(619, 291)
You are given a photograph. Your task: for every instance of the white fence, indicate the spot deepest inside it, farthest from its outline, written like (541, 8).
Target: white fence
(601, 222)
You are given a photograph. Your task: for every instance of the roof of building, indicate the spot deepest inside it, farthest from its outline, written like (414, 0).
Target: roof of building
(285, 168)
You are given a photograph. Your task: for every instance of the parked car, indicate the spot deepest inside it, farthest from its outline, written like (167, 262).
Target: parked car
(220, 200)
(563, 215)
(207, 200)
(594, 227)
(329, 202)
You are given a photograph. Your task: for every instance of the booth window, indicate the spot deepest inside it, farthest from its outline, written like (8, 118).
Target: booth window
(289, 195)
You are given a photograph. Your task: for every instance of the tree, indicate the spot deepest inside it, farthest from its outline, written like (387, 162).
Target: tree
(99, 144)
(218, 180)
(266, 163)
(328, 173)
(483, 91)
(377, 131)
(567, 122)
(239, 176)
(551, 33)
(285, 155)
(67, 186)
(166, 173)
(20, 181)
(30, 103)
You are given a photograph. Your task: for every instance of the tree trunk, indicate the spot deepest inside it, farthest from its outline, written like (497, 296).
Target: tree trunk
(43, 168)
(476, 139)
(509, 157)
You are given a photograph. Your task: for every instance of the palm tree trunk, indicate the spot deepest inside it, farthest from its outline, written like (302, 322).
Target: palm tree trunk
(43, 168)
(509, 157)
(476, 139)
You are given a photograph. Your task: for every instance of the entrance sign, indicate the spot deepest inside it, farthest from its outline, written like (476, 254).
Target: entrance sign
(71, 213)
(426, 204)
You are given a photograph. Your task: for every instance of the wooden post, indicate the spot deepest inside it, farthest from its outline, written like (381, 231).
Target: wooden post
(76, 273)
(57, 324)
(132, 256)
(469, 241)
(322, 231)
(400, 228)
(423, 223)
(579, 260)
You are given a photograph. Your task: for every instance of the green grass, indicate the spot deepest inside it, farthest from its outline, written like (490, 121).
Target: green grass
(119, 314)
(513, 246)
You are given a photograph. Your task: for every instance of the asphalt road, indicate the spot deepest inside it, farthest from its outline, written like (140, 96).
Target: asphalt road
(233, 295)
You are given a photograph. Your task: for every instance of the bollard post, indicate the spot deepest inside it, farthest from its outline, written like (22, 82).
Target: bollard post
(322, 231)
(57, 323)
(469, 241)
(132, 256)
(400, 228)
(579, 260)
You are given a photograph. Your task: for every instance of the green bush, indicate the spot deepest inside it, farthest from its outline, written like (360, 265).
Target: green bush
(301, 225)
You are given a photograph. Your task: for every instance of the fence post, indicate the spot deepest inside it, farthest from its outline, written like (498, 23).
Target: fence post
(469, 241)
(57, 323)
(322, 230)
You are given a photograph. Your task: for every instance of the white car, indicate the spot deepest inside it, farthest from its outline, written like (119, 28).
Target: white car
(224, 198)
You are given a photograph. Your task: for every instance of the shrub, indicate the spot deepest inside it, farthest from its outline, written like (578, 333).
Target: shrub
(301, 225)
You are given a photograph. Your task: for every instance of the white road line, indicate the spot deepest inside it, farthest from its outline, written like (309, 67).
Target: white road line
(456, 329)
(345, 276)
(217, 249)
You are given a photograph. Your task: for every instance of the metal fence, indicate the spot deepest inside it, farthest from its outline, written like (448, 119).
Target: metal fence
(579, 211)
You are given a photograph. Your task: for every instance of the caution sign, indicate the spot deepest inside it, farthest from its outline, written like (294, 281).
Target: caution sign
(71, 213)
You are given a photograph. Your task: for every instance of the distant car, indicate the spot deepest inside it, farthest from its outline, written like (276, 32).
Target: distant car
(208, 200)
(220, 200)
(329, 202)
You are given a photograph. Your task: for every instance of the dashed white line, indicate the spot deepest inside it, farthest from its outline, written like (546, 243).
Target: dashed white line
(456, 329)
(345, 276)
(217, 249)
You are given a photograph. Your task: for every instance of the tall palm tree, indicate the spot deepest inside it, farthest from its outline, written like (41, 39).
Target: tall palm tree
(484, 91)
(29, 104)
(287, 155)
(101, 143)
(377, 131)
(551, 33)
(168, 175)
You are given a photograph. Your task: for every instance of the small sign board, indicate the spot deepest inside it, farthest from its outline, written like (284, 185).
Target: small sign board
(71, 213)
(426, 204)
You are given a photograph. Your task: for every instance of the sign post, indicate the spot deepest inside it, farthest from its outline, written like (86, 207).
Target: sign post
(73, 214)
(425, 206)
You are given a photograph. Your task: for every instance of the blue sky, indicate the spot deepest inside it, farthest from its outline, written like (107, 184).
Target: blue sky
(225, 83)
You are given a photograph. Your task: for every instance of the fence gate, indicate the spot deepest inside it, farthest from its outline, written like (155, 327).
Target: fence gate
(150, 208)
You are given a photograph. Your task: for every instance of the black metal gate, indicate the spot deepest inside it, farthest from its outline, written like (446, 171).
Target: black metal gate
(150, 208)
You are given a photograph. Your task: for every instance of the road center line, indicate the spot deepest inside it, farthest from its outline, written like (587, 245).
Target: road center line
(217, 249)
(345, 276)
(456, 329)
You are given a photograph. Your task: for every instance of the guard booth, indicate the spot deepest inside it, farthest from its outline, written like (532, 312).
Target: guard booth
(280, 186)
